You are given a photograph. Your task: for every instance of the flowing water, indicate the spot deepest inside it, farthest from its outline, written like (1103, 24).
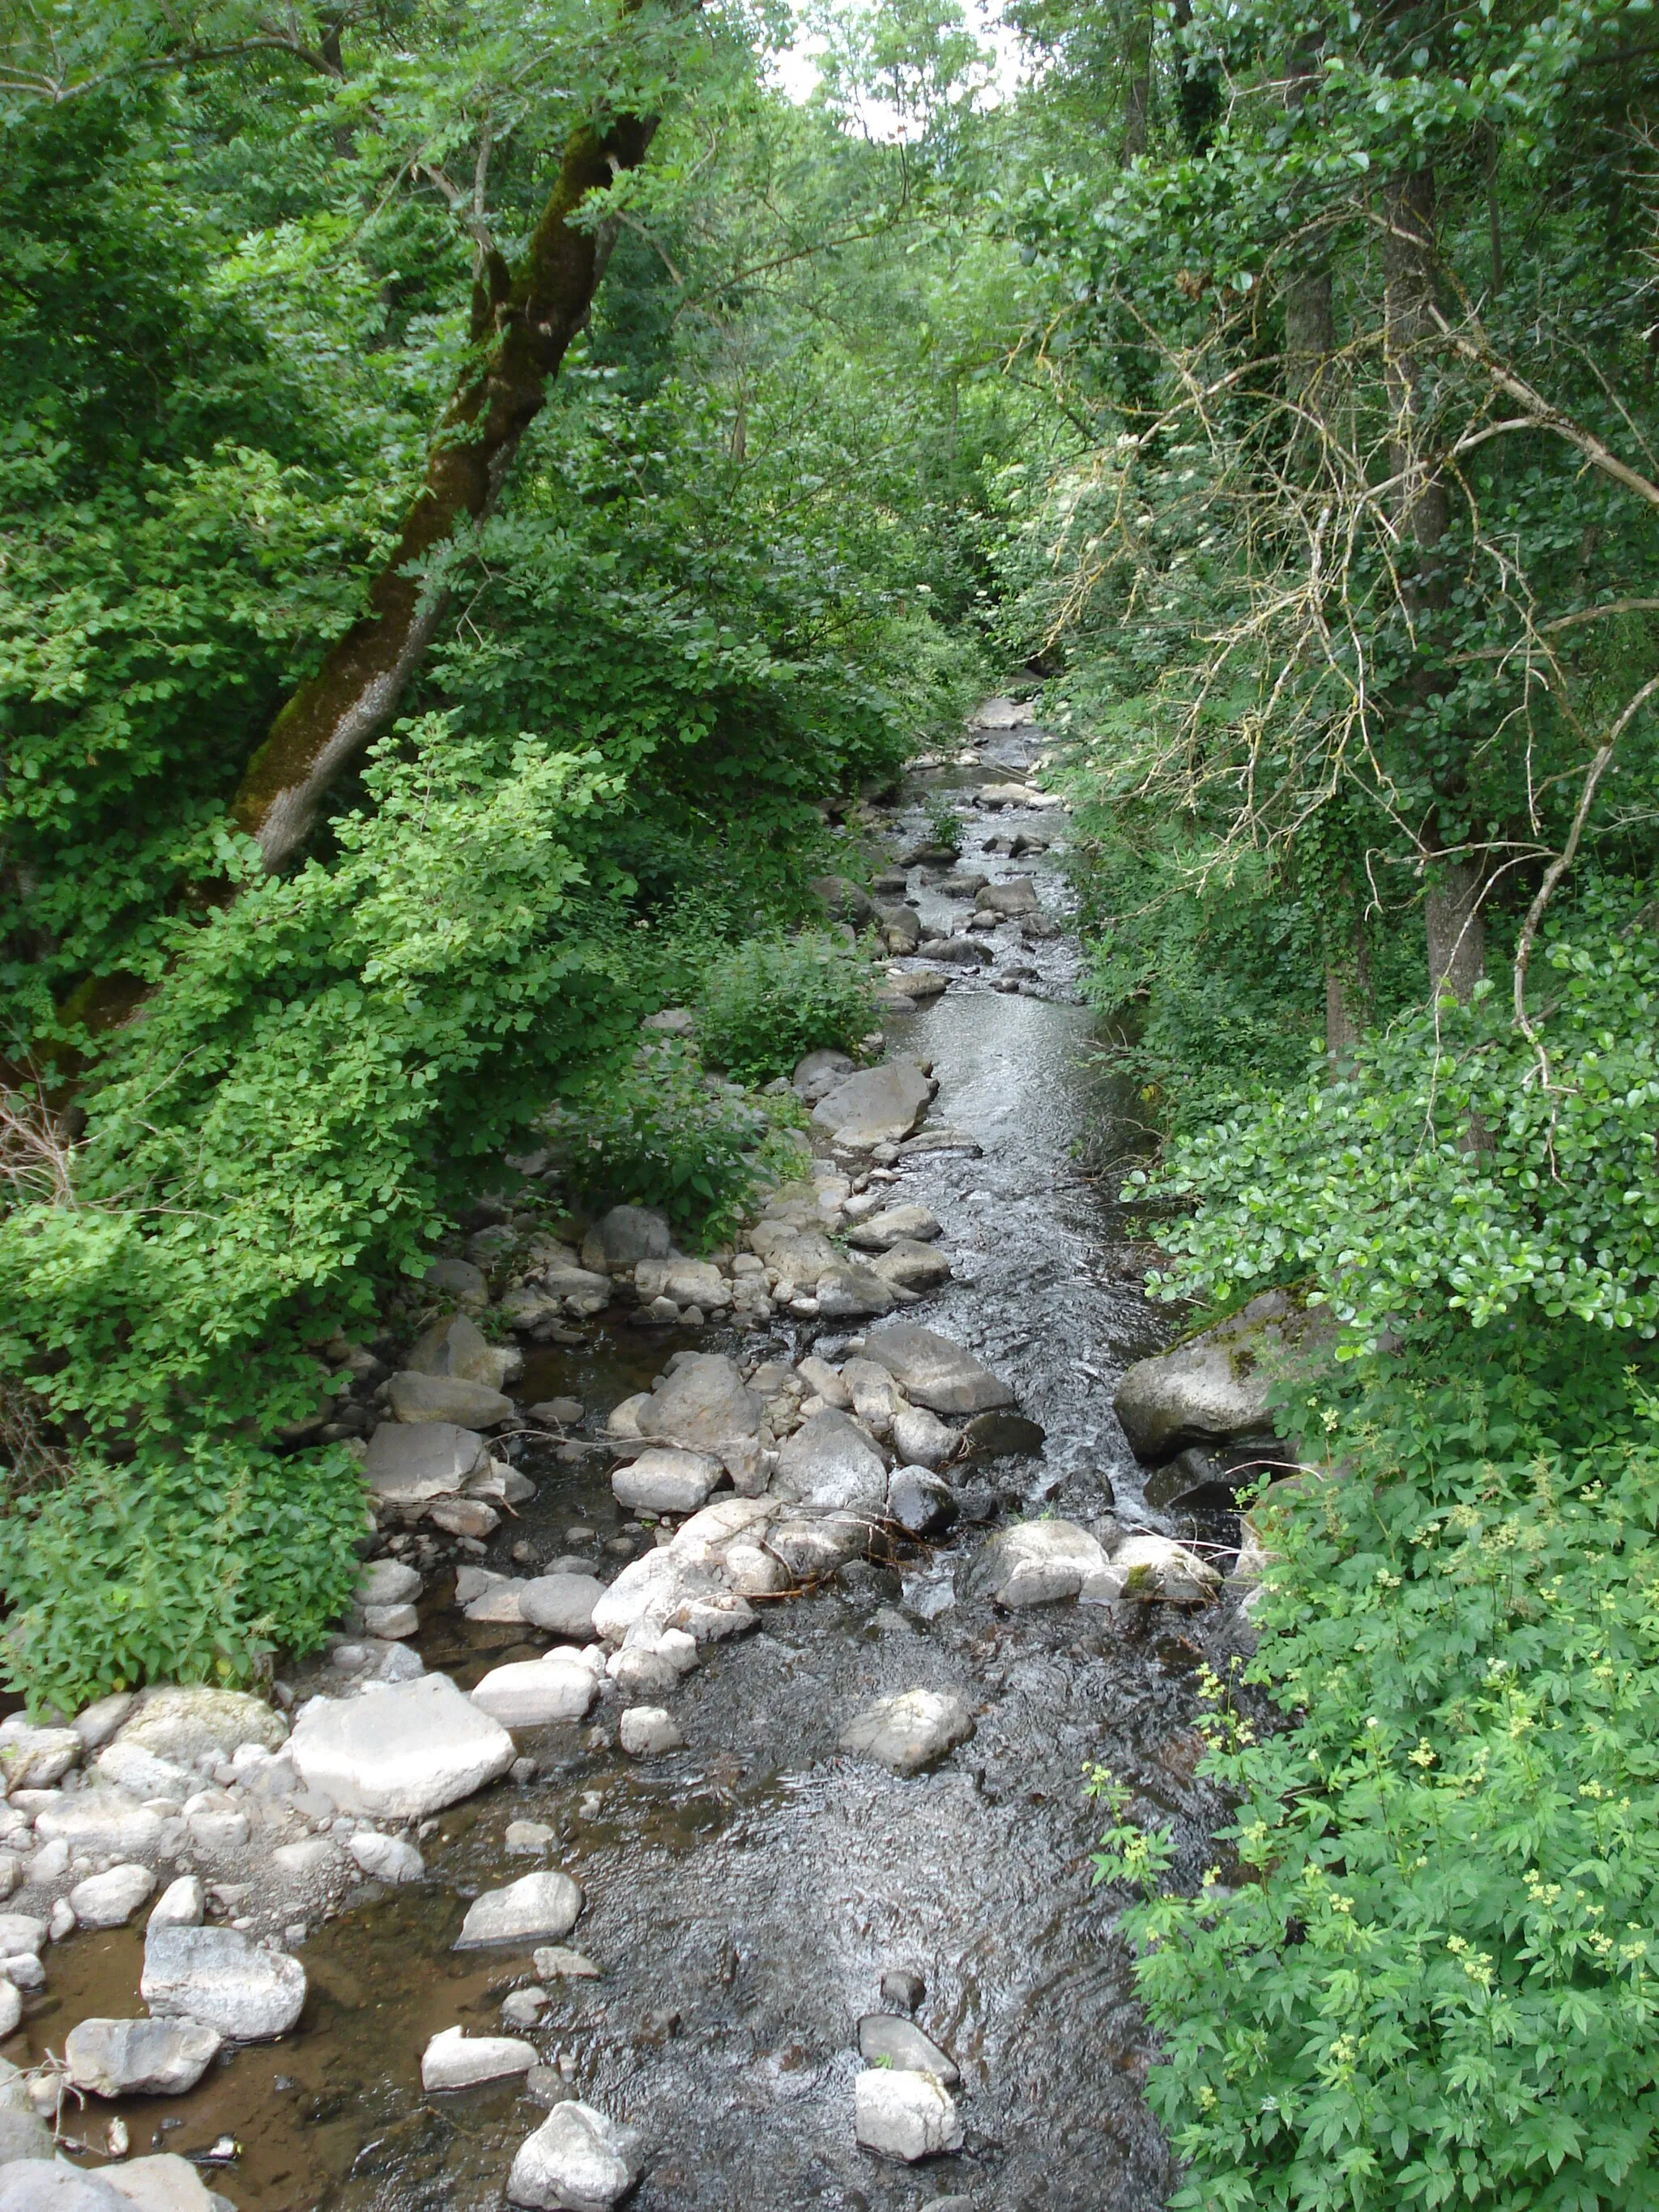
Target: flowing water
(745, 1895)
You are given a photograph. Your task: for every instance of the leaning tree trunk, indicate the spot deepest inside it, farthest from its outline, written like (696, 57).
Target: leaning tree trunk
(1457, 932)
(523, 321)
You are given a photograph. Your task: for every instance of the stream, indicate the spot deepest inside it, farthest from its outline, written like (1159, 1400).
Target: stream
(745, 1894)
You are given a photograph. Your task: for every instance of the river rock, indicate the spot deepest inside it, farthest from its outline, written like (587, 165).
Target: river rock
(1214, 1389)
(97, 1722)
(400, 1753)
(452, 1277)
(162, 2182)
(649, 1731)
(935, 1371)
(1041, 1562)
(455, 2060)
(825, 1381)
(23, 2139)
(536, 1693)
(846, 1293)
(576, 2161)
(810, 1545)
(700, 1405)
(883, 1230)
(877, 1106)
(386, 1858)
(35, 1758)
(181, 1904)
(387, 1582)
(919, 1502)
(532, 1910)
(497, 1605)
(1153, 1568)
(821, 1073)
(139, 2057)
(641, 1675)
(998, 795)
(901, 927)
(921, 1438)
(844, 900)
(831, 1461)
(904, 2116)
(409, 1467)
(391, 1623)
(668, 1589)
(687, 1282)
(30, 2185)
(448, 1398)
(100, 1824)
(22, 1932)
(665, 1481)
(141, 1773)
(620, 1239)
(1016, 896)
(800, 1255)
(109, 1900)
(885, 2040)
(215, 1975)
(908, 1732)
(958, 951)
(562, 1604)
(457, 1346)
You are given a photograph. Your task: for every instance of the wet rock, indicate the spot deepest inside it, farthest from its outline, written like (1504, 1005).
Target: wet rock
(99, 1824)
(831, 1461)
(386, 1858)
(825, 1381)
(642, 1674)
(958, 951)
(140, 2058)
(215, 1975)
(455, 2060)
(821, 1073)
(921, 1438)
(1002, 1434)
(387, 1583)
(668, 1589)
(908, 1732)
(559, 1412)
(457, 1346)
(109, 1900)
(523, 2007)
(35, 1758)
(647, 1732)
(538, 1693)
(181, 1904)
(498, 1604)
(899, 1986)
(904, 2116)
(400, 1753)
(526, 1912)
(813, 1545)
(911, 1267)
(963, 883)
(553, 1962)
(702, 1402)
(449, 1277)
(1040, 1563)
(562, 1604)
(854, 1294)
(935, 1371)
(1151, 1569)
(877, 1106)
(34, 2187)
(164, 2183)
(576, 2161)
(919, 1502)
(619, 1240)
(1214, 1389)
(883, 1230)
(886, 2041)
(901, 925)
(409, 1467)
(1012, 899)
(449, 1399)
(665, 1481)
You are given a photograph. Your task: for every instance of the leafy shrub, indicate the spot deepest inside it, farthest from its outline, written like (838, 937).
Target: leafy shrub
(185, 1566)
(764, 1004)
(945, 822)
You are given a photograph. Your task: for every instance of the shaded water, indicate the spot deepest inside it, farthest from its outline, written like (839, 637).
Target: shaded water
(745, 1895)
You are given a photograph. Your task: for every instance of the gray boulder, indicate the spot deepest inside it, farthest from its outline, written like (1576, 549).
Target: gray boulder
(909, 1265)
(958, 951)
(457, 1346)
(919, 1502)
(538, 1693)
(35, 1758)
(854, 1294)
(921, 1438)
(701, 1404)
(887, 2040)
(538, 1908)
(576, 2161)
(1016, 896)
(831, 1461)
(562, 1604)
(909, 1731)
(820, 1072)
(401, 1753)
(1214, 1389)
(935, 1371)
(449, 1277)
(387, 1582)
(409, 1467)
(883, 1230)
(648, 1732)
(139, 2057)
(386, 1858)
(843, 900)
(21, 2138)
(813, 1544)
(101, 1823)
(1040, 1563)
(665, 1481)
(619, 1240)
(110, 1900)
(876, 1107)
(1156, 1569)
(448, 1398)
(33, 2186)
(215, 1975)
(904, 2116)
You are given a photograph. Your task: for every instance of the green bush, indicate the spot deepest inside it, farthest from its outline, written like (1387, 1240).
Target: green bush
(765, 1004)
(185, 1566)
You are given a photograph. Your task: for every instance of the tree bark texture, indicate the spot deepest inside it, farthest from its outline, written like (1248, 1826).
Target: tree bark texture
(523, 322)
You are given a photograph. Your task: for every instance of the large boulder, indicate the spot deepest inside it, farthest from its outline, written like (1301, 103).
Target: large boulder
(409, 1467)
(536, 1693)
(909, 1731)
(1018, 896)
(196, 1722)
(688, 1282)
(215, 1976)
(536, 1908)
(878, 1106)
(843, 900)
(910, 1266)
(904, 2116)
(885, 2039)
(883, 1230)
(854, 1294)
(619, 1240)
(448, 1398)
(139, 2057)
(562, 1604)
(935, 1371)
(400, 1753)
(800, 1255)
(576, 2161)
(457, 1346)
(101, 1823)
(665, 1481)
(820, 1072)
(701, 1405)
(832, 1463)
(666, 1589)
(1040, 1563)
(33, 2183)
(1213, 1388)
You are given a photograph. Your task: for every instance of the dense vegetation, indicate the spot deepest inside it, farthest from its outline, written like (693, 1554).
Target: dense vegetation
(1277, 383)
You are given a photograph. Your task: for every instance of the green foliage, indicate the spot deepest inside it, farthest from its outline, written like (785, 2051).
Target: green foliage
(183, 1566)
(766, 1002)
(945, 822)
(1432, 1977)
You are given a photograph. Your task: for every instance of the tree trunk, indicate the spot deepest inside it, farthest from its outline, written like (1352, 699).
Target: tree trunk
(1457, 934)
(524, 321)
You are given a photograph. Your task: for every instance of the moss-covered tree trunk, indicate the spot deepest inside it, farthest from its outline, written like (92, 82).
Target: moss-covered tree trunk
(523, 322)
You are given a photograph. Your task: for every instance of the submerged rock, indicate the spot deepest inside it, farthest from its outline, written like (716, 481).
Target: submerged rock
(139, 2057)
(905, 2116)
(1154, 1569)
(215, 1975)
(576, 2161)
(908, 1732)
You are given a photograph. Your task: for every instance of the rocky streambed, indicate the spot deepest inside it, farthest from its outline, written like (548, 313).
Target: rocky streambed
(694, 1807)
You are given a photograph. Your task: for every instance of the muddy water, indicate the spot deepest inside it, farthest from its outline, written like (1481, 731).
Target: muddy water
(745, 1895)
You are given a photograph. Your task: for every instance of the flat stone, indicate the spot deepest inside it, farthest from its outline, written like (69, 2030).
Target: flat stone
(109, 1900)
(665, 1481)
(909, 1266)
(883, 1230)
(101, 1823)
(387, 1582)
(140, 2058)
(958, 951)
(449, 1399)
(649, 1731)
(400, 1753)
(386, 1858)
(687, 1282)
(409, 1466)
(538, 1693)
(524, 2008)
(885, 2040)
(878, 1106)
(162, 2182)
(557, 1413)
(215, 1975)
(1041, 1563)
(455, 2060)
(312, 1858)
(499, 1604)
(934, 1371)
(562, 1604)
(576, 2161)
(620, 1239)
(996, 795)
(35, 1758)
(919, 1501)
(908, 1732)
(904, 2116)
(700, 1405)
(526, 1912)
(831, 1462)
(463, 1517)
(1214, 1389)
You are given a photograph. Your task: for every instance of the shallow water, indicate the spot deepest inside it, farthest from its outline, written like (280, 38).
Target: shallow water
(743, 1896)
